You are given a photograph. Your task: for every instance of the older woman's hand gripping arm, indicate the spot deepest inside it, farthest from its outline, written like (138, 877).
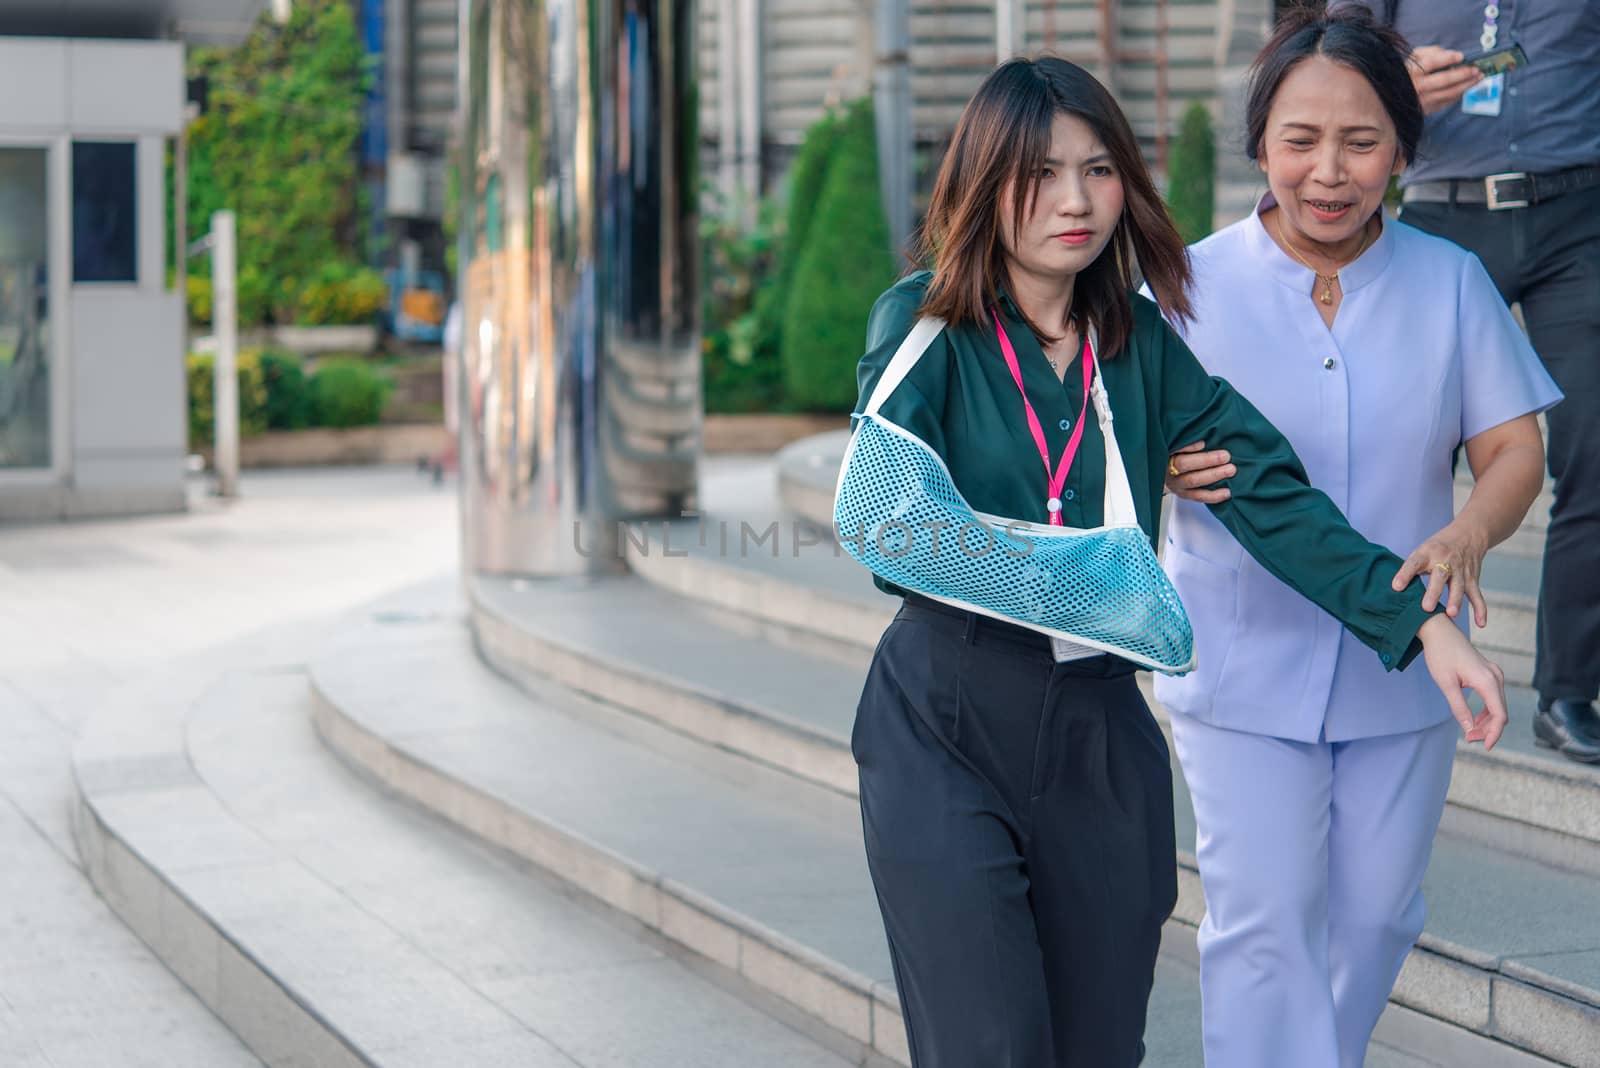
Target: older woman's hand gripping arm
(1507, 464)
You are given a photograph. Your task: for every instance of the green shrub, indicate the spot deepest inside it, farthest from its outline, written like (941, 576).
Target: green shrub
(740, 342)
(339, 294)
(806, 179)
(840, 269)
(197, 291)
(288, 404)
(201, 368)
(1192, 175)
(346, 391)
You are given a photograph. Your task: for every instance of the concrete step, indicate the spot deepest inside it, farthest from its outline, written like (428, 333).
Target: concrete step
(742, 864)
(678, 664)
(330, 924)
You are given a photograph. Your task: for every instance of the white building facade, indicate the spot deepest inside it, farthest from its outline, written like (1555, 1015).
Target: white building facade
(92, 399)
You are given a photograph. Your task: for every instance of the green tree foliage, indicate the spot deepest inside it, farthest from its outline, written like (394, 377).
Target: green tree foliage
(842, 263)
(1192, 175)
(339, 293)
(277, 145)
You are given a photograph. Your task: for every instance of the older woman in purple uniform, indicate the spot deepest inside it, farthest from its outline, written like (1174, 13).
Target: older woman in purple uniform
(1318, 779)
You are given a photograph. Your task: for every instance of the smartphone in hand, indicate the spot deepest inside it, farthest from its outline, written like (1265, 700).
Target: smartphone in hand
(1498, 60)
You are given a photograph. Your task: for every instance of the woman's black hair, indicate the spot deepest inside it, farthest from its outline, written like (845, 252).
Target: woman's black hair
(1351, 39)
(1001, 142)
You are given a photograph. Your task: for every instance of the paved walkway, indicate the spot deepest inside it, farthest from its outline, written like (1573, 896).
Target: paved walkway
(93, 609)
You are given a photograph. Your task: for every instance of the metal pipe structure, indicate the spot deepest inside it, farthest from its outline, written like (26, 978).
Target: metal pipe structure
(580, 399)
(225, 327)
(749, 52)
(728, 99)
(891, 85)
(1162, 119)
(1109, 54)
(1009, 29)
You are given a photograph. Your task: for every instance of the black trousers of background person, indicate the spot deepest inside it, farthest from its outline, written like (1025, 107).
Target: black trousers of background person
(1018, 818)
(1547, 257)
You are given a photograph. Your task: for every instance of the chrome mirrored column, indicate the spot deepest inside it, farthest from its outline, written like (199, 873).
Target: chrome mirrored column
(580, 368)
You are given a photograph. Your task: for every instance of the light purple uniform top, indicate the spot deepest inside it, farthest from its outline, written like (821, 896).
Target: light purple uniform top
(1423, 356)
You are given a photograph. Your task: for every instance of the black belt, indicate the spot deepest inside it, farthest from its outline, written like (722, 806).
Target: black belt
(1499, 192)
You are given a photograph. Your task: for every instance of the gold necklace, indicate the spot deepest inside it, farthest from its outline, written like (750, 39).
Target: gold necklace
(1326, 280)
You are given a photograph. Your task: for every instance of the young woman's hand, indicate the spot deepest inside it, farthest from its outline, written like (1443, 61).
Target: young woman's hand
(1456, 667)
(1191, 469)
(1453, 557)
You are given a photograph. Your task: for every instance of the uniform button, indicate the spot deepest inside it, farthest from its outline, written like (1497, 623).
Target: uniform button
(1387, 658)
(1066, 424)
(1512, 146)
(1330, 363)
(1070, 494)
(1512, 91)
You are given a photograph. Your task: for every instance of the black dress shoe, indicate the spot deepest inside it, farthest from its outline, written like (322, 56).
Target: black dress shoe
(1572, 728)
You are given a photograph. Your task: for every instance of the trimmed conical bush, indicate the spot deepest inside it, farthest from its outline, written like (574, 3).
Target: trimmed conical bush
(840, 267)
(1192, 175)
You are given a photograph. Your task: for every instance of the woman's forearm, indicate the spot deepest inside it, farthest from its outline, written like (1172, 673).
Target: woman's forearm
(1503, 493)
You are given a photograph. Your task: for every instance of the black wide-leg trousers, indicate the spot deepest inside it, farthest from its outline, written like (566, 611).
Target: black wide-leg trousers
(1018, 819)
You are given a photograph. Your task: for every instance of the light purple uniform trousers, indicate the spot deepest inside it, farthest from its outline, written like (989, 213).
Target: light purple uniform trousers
(1318, 777)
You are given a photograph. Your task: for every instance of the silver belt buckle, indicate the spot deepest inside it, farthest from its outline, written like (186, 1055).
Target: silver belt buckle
(1491, 189)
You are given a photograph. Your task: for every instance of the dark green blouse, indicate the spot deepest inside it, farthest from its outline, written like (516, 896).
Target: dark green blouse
(961, 399)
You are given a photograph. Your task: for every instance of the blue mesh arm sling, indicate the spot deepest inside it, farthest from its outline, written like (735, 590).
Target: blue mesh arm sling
(897, 510)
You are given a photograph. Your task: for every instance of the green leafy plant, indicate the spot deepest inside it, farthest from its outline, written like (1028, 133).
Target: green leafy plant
(253, 293)
(288, 400)
(450, 222)
(201, 374)
(1192, 175)
(340, 293)
(197, 292)
(346, 392)
(842, 266)
(738, 311)
(277, 145)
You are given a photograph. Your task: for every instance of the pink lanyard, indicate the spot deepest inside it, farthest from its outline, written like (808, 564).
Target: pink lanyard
(1059, 478)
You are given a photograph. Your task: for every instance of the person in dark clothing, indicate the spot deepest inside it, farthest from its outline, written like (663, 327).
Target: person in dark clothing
(1509, 168)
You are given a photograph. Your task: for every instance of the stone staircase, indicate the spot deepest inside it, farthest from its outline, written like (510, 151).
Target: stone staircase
(658, 764)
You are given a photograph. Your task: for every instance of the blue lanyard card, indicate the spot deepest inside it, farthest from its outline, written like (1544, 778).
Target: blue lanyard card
(1485, 98)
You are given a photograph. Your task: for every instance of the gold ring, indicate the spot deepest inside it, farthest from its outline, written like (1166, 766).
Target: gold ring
(1172, 468)
(1443, 567)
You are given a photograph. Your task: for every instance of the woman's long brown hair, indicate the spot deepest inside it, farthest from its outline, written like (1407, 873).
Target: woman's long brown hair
(1004, 138)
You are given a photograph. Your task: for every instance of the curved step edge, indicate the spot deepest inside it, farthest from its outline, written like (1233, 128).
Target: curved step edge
(714, 719)
(837, 996)
(239, 987)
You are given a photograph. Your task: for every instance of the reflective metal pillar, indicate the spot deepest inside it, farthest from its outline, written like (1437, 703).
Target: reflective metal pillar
(580, 398)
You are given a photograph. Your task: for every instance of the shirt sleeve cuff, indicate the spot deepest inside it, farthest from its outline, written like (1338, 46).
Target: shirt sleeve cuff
(1402, 645)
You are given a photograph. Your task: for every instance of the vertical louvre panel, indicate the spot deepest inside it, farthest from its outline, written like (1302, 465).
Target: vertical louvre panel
(815, 56)
(433, 72)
